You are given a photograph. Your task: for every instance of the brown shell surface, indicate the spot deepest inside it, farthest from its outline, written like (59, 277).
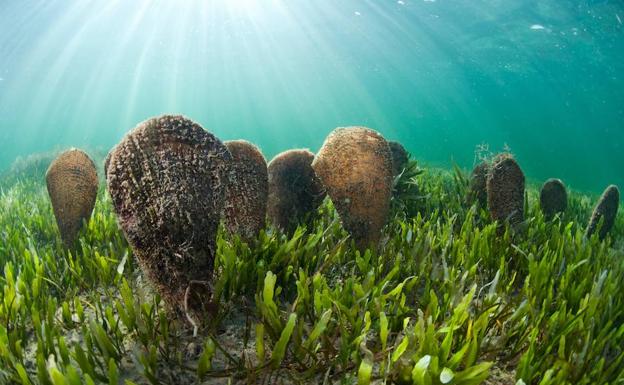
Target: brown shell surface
(355, 166)
(167, 179)
(553, 198)
(477, 190)
(106, 163)
(248, 190)
(72, 185)
(294, 189)
(505, 188)
(400, 157)
(606, 209)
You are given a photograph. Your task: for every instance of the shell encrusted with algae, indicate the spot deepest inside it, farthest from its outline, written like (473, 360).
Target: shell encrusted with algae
(72, 183)
(247, 192)
(355, 166)
(294, 189)
(553, 198)
(606, 210)
(400, 157)
(167, 179)
(505, 189)
(477, 190)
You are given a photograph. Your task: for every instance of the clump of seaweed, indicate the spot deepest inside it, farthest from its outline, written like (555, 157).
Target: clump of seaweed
(247, 192)
(553, 198)
(167, 179)
(604, 213)
(477, 187)
(505, 190)
(295, 191)
(400, 157)
(72, 183)
(355, 166)
(407, 195)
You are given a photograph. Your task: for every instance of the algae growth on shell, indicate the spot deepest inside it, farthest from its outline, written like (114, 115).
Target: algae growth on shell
(167, 180)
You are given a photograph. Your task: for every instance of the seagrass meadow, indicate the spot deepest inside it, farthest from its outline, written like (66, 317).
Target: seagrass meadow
(447, 299)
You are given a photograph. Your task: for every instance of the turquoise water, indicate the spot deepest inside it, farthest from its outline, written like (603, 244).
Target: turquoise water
(544, 78)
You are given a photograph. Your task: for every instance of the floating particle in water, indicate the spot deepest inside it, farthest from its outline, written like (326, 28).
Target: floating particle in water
(606, 210)
(355, 166)
(294, 189)
(618, 18)
(553, 198)
(247, 191)
(537, 27)
(401, 2)
(72, 185)
(429, 1)
(357, 13)
(167, 179)
(505, 188)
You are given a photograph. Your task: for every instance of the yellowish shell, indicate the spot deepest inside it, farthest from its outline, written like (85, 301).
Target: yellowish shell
(72, 185)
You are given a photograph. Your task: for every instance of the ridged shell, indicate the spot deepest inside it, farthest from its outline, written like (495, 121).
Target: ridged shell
(355, 166)
(607, 208)
(553, 198)
(247, 192)
(505, 187)
(72, 185)
(400, 157)
(167, 179)
(477, 190)
(294, 189)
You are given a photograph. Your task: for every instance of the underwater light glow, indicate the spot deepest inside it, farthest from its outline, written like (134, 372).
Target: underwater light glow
(442, 77)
